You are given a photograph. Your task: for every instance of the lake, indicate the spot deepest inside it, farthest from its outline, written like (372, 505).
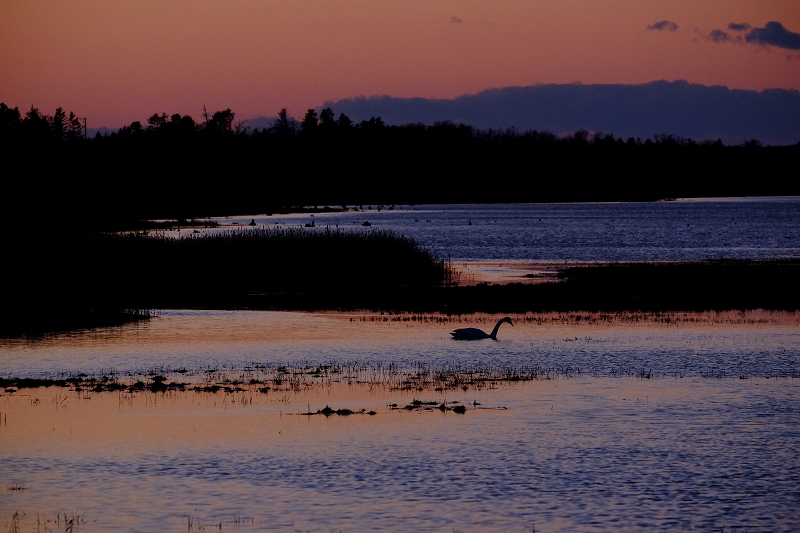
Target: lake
(572, 422)
(634, 423)
(505, 243)
(744, 228)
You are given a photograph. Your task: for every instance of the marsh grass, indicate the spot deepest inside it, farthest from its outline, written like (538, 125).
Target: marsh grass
(68, 282)
(15, 519)
(143, 225)
(648, 288)
(273, 380)
(62, 522)
(249, 381)
(589, 318)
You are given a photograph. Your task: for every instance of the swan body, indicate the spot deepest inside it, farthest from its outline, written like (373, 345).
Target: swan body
(474, 334)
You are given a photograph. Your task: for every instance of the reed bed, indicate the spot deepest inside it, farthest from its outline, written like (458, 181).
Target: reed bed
(266, 378)
(667, 318)
(288, 379)
(66, 282)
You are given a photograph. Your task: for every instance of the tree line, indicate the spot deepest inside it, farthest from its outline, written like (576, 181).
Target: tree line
(173, 166)
(37, 126)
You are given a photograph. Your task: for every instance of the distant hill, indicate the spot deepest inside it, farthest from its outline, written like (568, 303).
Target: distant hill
(678, 108)
(102, 131)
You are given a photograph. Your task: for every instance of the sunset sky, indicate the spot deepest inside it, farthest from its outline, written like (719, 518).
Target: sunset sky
(116, 61)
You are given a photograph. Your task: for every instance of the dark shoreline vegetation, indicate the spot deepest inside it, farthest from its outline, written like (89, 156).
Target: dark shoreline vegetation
(66, 281)
(696, 286)
(71, 201)
(174, 167)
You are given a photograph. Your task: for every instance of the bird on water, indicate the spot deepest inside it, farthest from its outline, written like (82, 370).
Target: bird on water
(474, 334)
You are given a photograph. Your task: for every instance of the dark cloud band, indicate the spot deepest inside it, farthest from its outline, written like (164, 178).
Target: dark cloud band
(774, 34)
(680, 108)
(719, 36)
(663, 25)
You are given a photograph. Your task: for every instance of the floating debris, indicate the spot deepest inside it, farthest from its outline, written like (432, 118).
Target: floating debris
(327, 411)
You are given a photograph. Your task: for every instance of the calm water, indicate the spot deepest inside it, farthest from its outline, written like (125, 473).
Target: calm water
(695, 448)
(577, 455)
(767, 346)
(710, 441)
(667, 231)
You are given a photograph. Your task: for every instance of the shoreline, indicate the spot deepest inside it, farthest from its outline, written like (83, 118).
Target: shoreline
(697, 286)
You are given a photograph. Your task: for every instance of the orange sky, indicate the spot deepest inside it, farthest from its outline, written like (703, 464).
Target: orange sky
(116, 61)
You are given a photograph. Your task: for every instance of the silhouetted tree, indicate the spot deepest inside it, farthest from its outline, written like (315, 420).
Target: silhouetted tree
(74, 127)
(58, 124)
(310, 122)
(581, 137)
(10, 122)
(344, 123)
(36, 125)
(220, 122)
(284, 126)
(158, 121)
(372, 125)
(182, 126)
(327, 119)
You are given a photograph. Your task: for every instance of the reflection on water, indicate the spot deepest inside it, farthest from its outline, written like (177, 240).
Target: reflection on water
(717, 344)
(662, 231)
(588, 454)
(694, 448)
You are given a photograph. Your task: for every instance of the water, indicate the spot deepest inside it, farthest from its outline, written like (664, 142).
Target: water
(745, 228)
(565, 456)
(709, 439)
(593, 448)
(750, 345)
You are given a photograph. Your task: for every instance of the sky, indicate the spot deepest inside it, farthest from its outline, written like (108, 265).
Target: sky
(678, 108)
(116, 61)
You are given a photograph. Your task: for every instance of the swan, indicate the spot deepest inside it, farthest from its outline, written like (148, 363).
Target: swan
(474, 334)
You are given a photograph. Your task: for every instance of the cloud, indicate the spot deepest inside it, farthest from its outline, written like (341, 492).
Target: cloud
(663, 25)
(679, 108)
(774, 34)
(719, 36)
(743, 26)
(456, 20)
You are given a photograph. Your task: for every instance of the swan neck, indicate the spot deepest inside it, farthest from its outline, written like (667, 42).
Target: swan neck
(494, 331)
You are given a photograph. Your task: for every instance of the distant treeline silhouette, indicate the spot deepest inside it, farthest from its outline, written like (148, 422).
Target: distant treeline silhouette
(173, 166)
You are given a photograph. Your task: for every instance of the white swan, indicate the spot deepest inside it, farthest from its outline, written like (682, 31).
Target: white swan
(474, 334)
